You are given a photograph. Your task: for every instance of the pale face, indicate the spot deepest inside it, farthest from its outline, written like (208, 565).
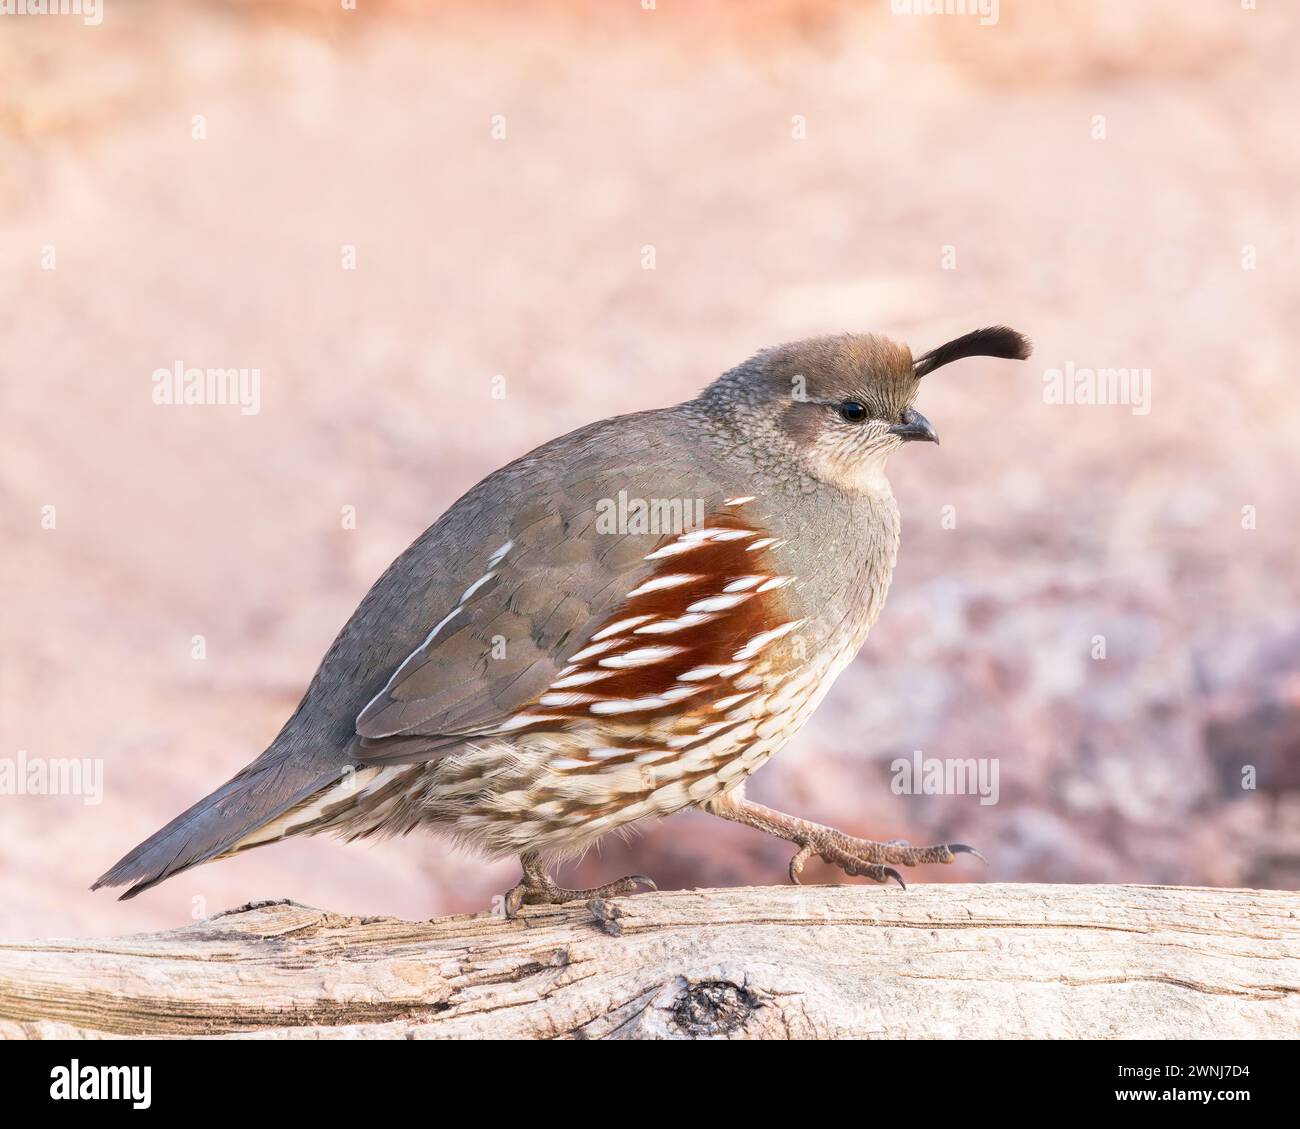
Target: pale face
(849, 452)
(846, 429)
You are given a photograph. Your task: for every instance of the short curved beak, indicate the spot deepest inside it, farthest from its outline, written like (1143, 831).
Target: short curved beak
(914, 426)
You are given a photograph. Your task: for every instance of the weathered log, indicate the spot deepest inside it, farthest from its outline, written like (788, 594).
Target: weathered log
(1017, 961)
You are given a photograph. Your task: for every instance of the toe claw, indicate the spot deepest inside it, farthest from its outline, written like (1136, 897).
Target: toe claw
(801, 856)
(644, 880)
(514, 902)
(890, 872)
(963, 849)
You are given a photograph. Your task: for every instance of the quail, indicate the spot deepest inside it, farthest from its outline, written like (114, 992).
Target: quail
(626, 622)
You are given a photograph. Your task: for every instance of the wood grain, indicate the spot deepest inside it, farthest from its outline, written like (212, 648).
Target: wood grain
(979, 961)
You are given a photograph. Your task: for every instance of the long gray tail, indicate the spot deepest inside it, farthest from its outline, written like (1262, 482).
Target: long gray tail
(260, 793)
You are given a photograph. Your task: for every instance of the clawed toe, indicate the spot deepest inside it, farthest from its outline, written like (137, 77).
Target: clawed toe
(626, 885)
(874, 871)
(869, 859)
(537, 889)
(802, 855)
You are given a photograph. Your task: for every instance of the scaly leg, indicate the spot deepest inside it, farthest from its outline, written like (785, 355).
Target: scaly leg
(853, 856)
(536, 888)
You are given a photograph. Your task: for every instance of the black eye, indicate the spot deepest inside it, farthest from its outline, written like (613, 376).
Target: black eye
(852, 411)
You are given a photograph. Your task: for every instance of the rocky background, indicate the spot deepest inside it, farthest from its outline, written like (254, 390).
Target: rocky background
(1117, 180)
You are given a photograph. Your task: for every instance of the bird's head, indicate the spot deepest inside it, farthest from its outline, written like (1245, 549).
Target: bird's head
(843, 403)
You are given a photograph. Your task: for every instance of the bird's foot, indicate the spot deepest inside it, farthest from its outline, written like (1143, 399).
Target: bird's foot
(537, 888)
(872, 859)
(864, 857)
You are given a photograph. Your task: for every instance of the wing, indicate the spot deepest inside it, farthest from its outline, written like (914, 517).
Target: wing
(554, 565)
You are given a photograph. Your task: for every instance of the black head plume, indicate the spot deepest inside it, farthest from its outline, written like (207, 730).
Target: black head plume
(995, 341)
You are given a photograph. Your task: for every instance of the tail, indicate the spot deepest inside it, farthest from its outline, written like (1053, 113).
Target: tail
(217, 824)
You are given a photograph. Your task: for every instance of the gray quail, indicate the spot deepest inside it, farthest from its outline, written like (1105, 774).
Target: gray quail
(625, 622)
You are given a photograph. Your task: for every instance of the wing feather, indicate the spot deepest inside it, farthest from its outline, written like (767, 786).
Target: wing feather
(507, 637)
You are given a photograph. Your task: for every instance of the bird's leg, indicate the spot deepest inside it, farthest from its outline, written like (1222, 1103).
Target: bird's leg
(853, 856)
(536, 887)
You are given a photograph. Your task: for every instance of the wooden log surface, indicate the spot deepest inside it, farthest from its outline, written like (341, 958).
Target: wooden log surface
(997, 960)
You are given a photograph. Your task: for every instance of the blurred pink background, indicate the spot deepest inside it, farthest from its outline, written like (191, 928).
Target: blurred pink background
(522, 257)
